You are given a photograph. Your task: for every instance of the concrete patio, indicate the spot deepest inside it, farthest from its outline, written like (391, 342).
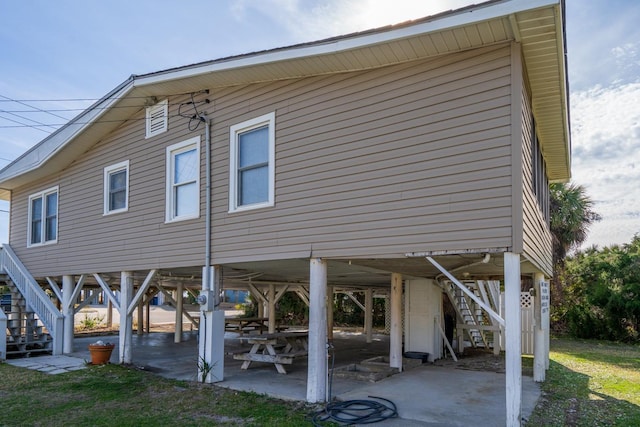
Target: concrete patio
(441, 394)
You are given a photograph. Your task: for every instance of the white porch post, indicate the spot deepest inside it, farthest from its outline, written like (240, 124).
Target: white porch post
(177, 336)
(395, 339)
(211, 329)
(317, 366)
(513, 337)
(539, 339)
(126, 324)
(368, 314)
(68, 313)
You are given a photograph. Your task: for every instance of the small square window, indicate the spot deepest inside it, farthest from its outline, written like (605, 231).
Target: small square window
(116, 188)
(252, 166)
(43, 218)
(183, 180)
(157, 118)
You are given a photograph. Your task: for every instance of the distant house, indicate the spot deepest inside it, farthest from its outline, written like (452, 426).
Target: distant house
(339, 163)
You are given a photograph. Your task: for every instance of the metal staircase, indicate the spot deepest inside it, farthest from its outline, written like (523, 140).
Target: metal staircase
(471, 317)
(33, 323)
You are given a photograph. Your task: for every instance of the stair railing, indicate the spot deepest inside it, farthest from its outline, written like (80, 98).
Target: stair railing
(3, 341)
(37, 300)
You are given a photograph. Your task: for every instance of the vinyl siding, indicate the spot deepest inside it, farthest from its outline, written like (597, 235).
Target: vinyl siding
(537, 243)
(373, 164)
(414, 157)
(89, 241)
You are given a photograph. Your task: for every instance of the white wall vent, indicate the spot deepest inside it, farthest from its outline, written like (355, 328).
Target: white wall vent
(157, 118)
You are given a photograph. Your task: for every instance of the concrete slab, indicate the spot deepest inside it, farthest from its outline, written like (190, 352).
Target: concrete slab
(50, 364)
(428, 395)
(445, 396)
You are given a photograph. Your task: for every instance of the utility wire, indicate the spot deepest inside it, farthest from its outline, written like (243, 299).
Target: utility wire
(31, 106)
(26, 118)
(24, 125)
(7, 99)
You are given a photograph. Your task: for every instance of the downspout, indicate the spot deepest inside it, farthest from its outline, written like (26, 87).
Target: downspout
(207, 209)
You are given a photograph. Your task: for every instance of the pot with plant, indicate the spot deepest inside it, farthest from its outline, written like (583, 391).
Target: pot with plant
(100, 352)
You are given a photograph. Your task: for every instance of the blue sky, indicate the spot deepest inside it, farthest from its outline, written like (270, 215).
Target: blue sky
(63, 49)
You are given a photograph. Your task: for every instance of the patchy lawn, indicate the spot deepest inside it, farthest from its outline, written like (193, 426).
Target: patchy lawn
(590, 383)
(111, 395)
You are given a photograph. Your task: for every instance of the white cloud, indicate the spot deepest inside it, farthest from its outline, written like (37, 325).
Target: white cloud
(606, 149)
(308, 21)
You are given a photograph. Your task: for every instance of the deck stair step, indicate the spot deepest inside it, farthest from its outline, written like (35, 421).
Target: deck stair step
(470, 313)
(25, 334)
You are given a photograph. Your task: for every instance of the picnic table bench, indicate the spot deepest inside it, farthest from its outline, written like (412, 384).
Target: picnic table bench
(279, 348)
(246, 324)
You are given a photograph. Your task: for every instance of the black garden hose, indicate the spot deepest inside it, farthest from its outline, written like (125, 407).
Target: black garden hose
(358, 411)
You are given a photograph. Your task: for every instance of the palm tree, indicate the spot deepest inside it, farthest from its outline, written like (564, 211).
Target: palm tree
(571, 216)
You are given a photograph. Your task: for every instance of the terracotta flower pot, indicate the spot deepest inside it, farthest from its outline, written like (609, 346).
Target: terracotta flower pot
(100, 354)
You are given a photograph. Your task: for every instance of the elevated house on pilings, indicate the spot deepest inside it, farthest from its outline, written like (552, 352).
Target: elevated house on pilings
(406, 160)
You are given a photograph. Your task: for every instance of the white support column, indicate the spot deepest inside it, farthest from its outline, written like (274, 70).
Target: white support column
(68, 313)
(317, 365)
(272, 308)
(513, 337)
(368, 314)
(211, 328)
(539, 340)
(395, 339)
(177, 336)
(126, 324)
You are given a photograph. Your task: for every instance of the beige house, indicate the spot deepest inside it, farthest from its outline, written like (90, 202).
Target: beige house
(391, 160)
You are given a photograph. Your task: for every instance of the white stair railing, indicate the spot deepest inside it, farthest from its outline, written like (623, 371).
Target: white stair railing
(3, 341)
(37, 300)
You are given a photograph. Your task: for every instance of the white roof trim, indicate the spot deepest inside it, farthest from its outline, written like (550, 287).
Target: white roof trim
(472, 15)
(52, 144)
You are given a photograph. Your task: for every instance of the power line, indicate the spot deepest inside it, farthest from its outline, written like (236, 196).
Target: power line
(25, 118)
(24, 125)
(31, 106)
(7, 99)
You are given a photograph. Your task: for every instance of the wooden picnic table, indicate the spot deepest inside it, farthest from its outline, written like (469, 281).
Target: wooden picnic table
(279, 348)
(246, 324)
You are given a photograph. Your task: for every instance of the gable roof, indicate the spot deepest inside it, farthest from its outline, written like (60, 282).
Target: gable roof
(537, 24)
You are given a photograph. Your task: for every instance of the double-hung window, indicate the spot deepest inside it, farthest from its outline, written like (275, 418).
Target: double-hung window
(183, 180)
(252, 163)
(116, 188)
(43, 217)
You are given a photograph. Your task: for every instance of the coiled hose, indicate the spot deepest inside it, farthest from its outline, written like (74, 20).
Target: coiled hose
(358, 411)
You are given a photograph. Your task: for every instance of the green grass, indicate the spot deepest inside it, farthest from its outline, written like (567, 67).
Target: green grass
(590, 383)
(114, 395)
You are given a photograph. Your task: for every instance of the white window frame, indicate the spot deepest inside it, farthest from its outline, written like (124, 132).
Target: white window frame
(152, 112)
(235, 130)
(172, 151)
(107, 188)
(43, 195)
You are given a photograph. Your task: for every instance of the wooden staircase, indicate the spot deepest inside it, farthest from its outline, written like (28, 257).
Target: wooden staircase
(25, 334)
(477, 325)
